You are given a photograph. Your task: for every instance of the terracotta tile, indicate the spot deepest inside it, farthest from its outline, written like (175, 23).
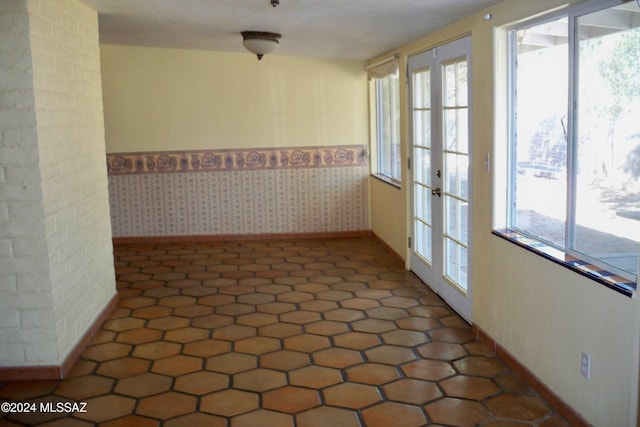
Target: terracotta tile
(156, 350)
(185, 335)
(326, 327)
(80, 368)
(124, 367)
(152, 312)
(25, 390)
(280, 330)
(212, 321)
(201, 382)
(233, 332)
(206, 348)
(356, 340)
(480, 366)
(388, 413)
(196, 419)
(106, 351)
(387, 313)
(390, 354)
(259, 380)
(276, 307)
(166, 405)
(231, 363)
(216, 300)
(257, 319)
(337, 357)
(474, 388)
(350, 395)
(453, 335)
(399, 302)
(311, 287)
(511, 382)
(408, 390)
(168, 323)
(177, 301)
(373, 325)
(430, 370)
(139, 336)
(159, 292)
(236, 290)
(228, 403)
(136, 302)
(404, 338)
(324, 416)
(285, 360)
(344, 315)
(143, 385)
(454, 321)
(507, 423)
(257, 345)
(477, 348)
(63, 422)
(432, 312)
(385, 284)
(374, 294)
(457, 412)
(359, 303)
(84, 387)
(37, 417)
(234, 309)
(275, 289)
(263, 417)
(518, 407)
(192, 311)
(554, 421)
(300, 317)
(103, 336)
(318, 305)
(177, 365)
(105, 408)
(290, 399)
(372, 373)
(256, 298)
(315, 377)
(442, 351)
(132, 421)
(307, 343)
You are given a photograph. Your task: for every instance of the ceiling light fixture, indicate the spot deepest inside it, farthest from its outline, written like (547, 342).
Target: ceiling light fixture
(260, 42)
(274, 3)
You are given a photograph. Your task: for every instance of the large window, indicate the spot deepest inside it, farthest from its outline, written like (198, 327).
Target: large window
(388, 126)
(575, 134)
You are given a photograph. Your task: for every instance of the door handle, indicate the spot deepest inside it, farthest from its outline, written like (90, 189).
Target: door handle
(436, 192)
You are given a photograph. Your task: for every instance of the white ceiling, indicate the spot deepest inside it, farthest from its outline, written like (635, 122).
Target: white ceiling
(346, 29)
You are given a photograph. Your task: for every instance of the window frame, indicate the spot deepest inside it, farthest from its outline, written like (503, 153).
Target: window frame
(382, 120)
(614, 278)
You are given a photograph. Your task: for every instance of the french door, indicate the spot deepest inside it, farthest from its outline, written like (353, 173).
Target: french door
(440, 82)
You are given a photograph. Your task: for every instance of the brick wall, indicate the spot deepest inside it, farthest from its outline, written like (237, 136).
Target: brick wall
(56, 262)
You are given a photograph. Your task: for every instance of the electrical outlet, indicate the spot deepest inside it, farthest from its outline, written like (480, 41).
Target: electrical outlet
(585, 365)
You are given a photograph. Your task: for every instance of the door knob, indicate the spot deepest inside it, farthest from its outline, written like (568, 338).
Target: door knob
(436, 192)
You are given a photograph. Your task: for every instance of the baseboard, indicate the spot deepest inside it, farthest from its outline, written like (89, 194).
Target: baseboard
(240, 237)
(563, 409)
(58, 372)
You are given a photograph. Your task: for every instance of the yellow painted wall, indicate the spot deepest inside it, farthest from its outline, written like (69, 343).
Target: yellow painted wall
(171, 99)
(543, 314)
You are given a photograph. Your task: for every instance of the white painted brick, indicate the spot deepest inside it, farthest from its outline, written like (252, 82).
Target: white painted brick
(43, 351)
(33, 319)
(11, 355)
(24, 265)
(8, 284)
(6, 248)
(34, 282)
(9, 319)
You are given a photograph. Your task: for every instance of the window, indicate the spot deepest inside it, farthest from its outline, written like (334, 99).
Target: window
(574, 162)
(388, 126)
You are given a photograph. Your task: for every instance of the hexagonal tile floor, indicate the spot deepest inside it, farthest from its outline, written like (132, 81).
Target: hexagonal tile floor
(297, 333)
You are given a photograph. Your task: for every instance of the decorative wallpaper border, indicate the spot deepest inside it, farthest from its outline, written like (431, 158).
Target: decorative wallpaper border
(234, 160)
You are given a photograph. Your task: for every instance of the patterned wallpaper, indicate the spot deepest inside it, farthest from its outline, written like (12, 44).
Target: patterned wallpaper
(239, 192)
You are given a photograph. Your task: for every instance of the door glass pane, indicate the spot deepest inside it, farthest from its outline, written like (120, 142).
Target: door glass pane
(422, 128)
(456, 168)
(541, 94)
(456, 267)
(608, 138)
(456, 129)
(422, 163)
(457, 212)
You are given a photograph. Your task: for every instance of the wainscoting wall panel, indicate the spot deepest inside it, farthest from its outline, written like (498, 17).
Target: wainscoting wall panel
(239, 192)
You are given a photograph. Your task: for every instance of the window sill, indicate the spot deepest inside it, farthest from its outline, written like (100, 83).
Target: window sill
(610, 280)
(387, 180)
